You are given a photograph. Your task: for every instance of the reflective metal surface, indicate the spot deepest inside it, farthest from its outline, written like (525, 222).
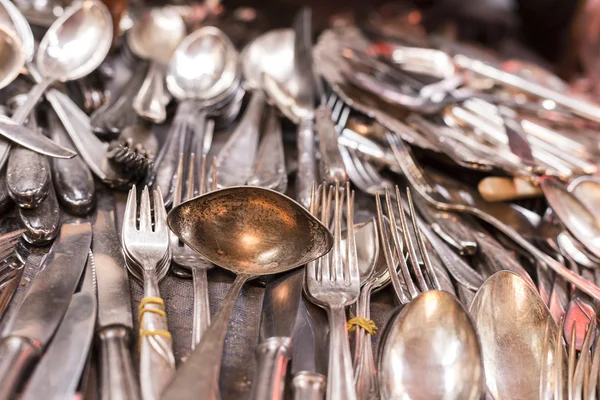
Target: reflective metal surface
(511, 319)
(12, 56)
(415, 363)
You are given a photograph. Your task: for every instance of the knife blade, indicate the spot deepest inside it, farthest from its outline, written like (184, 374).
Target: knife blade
(44, 305)
(309, 355)
(114, 327)
(280, 307)
(69, 347)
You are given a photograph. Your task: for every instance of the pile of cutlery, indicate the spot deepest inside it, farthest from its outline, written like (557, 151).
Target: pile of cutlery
(463, 189)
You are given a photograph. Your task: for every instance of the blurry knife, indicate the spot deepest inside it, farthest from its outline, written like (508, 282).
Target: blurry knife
(69, 348)
(280, 307)
(309, 354)
(44, 305)
(113, 331)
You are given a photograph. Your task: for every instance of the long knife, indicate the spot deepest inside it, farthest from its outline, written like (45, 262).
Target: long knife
(69, 347)
(280, 307)
(113, 332)
(44, 305)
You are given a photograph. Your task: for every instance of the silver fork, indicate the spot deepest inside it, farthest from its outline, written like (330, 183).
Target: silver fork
(186, 257)
(333, 282)
(147, 247)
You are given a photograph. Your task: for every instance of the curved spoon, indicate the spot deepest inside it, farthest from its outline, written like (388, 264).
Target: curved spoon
(414, 364)
(249, 231)
(511, 320)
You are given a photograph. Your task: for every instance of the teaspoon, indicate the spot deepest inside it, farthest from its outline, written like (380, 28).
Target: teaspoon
(249, 231)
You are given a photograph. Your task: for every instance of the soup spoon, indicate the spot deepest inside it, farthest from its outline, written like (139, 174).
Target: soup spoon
(249, 231)
(414, 364)
(511, 320)
(75, 45)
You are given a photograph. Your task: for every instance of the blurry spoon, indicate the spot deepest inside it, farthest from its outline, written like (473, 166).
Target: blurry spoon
(195, 88)
(413, 364)
(576, 217)
(66, 52)
(12, 56)
(587, 190)
(270, 53)
(155, 37)
(249, 231)
(511, 319)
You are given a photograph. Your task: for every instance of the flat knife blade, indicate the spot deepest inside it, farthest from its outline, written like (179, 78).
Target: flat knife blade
(114, 298)
(117, 378)
(44, 305)
(280, 306)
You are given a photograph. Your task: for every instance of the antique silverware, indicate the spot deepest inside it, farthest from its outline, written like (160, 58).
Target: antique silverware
(12, 55)
(182, 255)
(278, 318)
(42, 222)
(70, 345)
(114, 328)
(411, 335)
(44, 305)
(73, 180)
(147, 247)
(205, 89)
(512, 334)
(242, 234)
(56, 58)
(334, 283)
(155, 37)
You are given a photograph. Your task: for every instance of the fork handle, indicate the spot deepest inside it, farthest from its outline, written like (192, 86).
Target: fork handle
(201, 305)
(307, 167)
(340, 374)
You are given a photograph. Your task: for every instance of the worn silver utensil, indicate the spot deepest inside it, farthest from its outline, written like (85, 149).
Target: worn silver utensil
(155, 37)
(254, 232)
(412, 364)
(44, 305)
(42, 222)
(511, 319)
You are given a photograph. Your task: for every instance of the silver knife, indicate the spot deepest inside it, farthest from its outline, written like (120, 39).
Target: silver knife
(113, 332)
(69, 348)
(280, 306)
(309, 355)
(44, 305)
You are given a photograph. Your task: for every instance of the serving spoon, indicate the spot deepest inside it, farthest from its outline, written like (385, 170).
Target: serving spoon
(249, 231)
(412, 362)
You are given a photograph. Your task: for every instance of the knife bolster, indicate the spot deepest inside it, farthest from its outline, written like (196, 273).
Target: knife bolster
(17, 355)
(117, 377)
(273, 355)
(309, 386)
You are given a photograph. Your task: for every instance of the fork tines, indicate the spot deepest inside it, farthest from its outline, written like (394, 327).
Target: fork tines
(394, 247)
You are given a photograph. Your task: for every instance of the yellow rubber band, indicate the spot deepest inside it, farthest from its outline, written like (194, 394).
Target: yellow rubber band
(367, 324)
(158, 311)
(152, 300)
(157, 332)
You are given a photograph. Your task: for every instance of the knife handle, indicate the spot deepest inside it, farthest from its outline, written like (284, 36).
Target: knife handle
(17, 355)
(117, 377)
(273, 355)
(309, 386)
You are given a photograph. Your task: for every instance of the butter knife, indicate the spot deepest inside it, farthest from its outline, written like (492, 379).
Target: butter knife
(114, 327)
(44, 305)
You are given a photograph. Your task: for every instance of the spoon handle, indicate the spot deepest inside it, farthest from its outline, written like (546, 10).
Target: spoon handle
(307, 168)
(201, 304)
(340, 375)
(151, 101)
(34, 95)
(200, 373)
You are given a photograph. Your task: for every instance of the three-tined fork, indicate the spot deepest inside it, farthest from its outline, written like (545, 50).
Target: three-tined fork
(333, 283)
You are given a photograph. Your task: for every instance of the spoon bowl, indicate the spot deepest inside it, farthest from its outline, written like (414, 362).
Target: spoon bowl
(511, 319)
(271, 53)
(414, 364)
(12, 58)
(76, 43)
(250, 230)
(203, 67)
(156, 35)
(587, 190)
(12, 19)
